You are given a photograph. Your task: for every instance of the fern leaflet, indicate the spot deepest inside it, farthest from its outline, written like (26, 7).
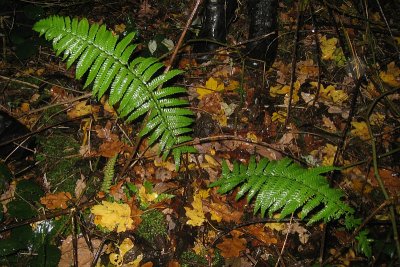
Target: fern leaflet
(285, 186)
(134, 84)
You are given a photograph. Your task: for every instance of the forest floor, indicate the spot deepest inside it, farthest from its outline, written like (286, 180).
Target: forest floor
(87, 193)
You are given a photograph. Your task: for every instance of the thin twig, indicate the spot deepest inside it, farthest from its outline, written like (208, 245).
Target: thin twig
(294, 60)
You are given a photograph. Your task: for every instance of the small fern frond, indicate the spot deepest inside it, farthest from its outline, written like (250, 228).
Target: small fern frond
(286, 187)
(108, 174)
(135, 84)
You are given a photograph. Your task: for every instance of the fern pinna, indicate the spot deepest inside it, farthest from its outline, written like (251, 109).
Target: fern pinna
(286, 186)
(134, 84)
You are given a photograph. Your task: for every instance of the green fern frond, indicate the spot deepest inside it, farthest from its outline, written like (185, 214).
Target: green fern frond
(134, 84)
(108, 174)
(286, 187)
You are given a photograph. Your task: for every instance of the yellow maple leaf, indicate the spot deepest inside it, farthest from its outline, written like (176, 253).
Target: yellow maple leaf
(196, 214)
(360, 130)
(391, 76)
(111, 215)
(328, 47)
(211, 86)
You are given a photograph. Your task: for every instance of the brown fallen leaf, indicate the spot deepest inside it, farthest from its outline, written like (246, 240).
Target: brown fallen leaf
(264, 235)
(221, 211)
(110, 149)
(57, 200)
(231, 247)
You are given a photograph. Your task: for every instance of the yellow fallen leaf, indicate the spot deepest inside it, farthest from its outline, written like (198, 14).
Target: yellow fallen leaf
(233, 85)
(211, 86)
(329, 152)
(360, 130)
(125, 246)
(221, 118)
(79, 110)
(338, 96)
(211, 161)
(252, 136)
(116, 259)
(119, 28)
(196, 214)
(111, 215)
(391, 76)
(279, 116)
(377, 118)
(146, 197)
(136, 262)
(328, 47)
(285, 90)
(278, 90)
(25, 107)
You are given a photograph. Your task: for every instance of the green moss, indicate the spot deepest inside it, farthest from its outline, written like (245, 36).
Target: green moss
(153, 225)
(189, 259)
(59, 155)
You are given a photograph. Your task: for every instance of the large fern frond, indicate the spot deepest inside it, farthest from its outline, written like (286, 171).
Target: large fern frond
(134, 84)
(286, 187)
